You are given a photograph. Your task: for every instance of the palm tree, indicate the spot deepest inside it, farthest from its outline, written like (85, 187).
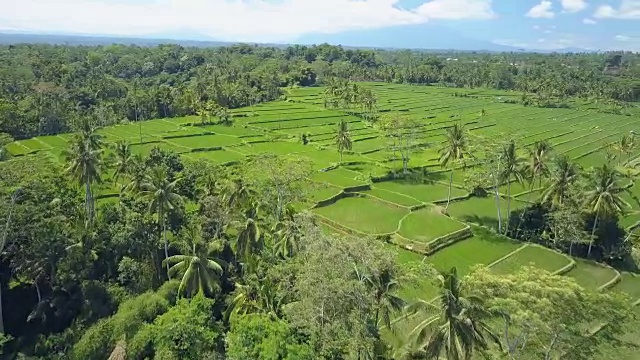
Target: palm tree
(458, 326)
(249, 241)
(385, 288)
(199, 271)
(3, 242)
(260, 298)
(512, 168)
(537, 166)
(602, 196)
(237, 193)
(454, 150)
(124, 160)
(625, 146)
(343, 138)
(84, 162)
(287, 233)
(562, 177)
(159, 192)
(137, 175)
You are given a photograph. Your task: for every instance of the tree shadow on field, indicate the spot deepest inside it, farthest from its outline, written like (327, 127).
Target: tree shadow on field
(419, 177)
(481, 220)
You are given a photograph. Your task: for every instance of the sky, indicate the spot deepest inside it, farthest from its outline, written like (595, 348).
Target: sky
(531, 24)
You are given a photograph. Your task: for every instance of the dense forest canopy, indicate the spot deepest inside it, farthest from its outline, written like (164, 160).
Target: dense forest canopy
(186, 258)
(45, 89)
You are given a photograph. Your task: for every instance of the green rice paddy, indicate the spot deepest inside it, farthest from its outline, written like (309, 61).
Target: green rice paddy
(384, 206)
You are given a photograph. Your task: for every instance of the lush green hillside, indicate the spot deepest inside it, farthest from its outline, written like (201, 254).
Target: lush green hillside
(368, 194)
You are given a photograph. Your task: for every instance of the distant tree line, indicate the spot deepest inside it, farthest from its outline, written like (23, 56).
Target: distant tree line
(46, 89)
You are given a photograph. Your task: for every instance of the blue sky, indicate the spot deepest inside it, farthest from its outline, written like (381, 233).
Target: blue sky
(533, 24)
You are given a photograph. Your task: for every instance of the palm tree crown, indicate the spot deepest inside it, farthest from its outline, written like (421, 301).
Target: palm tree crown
(124, 160)
(343, 138)
(512, 168)
(457, 328)
(602, 195)
(160, 193)
(454, 150)
(199, 272)
(563, 176)
(84, 157)
(537, 166)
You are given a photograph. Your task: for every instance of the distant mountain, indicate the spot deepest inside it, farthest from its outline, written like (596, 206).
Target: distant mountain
(7, 38)
(419, 37)
(422, 36)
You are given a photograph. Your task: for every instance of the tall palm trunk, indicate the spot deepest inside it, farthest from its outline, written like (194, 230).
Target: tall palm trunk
(164, 238)
(2, 245)
(449, 195)
(341, 156)
(497, 197)
(593, 232)
(88, 198)
(506, 226)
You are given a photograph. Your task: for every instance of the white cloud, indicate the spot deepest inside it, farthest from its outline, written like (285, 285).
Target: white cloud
(629, 9)
(573, 5)
(238, 20)
(556, 42)
(542, 10)
(622, 38)
(589, 21)
(456, 9)
(536, 27)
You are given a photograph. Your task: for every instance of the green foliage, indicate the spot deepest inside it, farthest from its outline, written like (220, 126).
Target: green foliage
(556, 316)
(132, 315)
(186, 331)
(258, 336)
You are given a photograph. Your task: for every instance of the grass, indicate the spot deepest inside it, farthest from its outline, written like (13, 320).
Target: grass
(629, 284)
(217, 156)
(392, 197)
(205, 141)
(423, 192)
(322, 192)
(482, 248)
(532, 255)
(363, 214)
(338, 177)
(591, 275)
(482, 210)
(425, 225)
(275, 147)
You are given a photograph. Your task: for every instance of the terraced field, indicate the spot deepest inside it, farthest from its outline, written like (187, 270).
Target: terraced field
(356, 198)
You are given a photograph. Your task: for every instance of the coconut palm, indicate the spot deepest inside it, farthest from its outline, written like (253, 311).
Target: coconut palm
(287, 234)
(562, 177)
(343, 138)
(625, 146)
(198, 270)
(602, 196)
(159, 192)
(455, 149)
(455, 327)
(237, 193)
(124, 160)
(84, 158)
(259, 298)
(537, 166)
(249, 241)
(17, 194)
(137, 175)
(385, 288)
(512, 168)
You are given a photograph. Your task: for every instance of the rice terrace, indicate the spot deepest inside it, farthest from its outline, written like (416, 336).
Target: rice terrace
(356, 198)
(317, 217)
